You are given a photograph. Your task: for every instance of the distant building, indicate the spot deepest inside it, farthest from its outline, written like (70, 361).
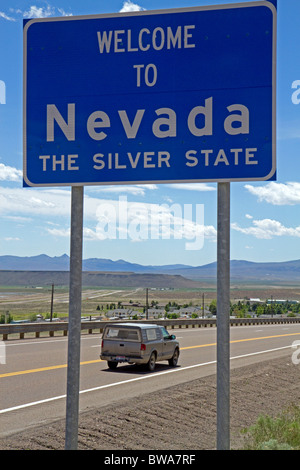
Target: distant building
(187, 311)
(156, 312)
(119, 313)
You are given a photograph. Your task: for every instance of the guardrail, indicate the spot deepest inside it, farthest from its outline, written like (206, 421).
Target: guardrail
(51, 328)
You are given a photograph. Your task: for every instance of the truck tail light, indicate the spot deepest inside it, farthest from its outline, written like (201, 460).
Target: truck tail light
(143, 347)
(102, 344)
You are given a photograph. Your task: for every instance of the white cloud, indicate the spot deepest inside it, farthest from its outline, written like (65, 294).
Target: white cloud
(193, 186)
(267, 229)
(130, 6)
(108, 218)
(278, 194)
(8, 173)
(42, 12)
(34, 202)
(88, 233)
(139, 221)
(5, 17)
(36, 12)
(63, 13)
(18, 218)
(135, 190)
(59, 232)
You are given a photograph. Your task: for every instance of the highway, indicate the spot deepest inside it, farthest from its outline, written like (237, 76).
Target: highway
(33, 378)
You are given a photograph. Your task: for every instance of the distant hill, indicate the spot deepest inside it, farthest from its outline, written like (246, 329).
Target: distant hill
(240, 270)
(96, 279)
(62, 263)
(243, 271)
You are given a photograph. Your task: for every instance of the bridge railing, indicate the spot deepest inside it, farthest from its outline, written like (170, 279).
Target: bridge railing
(42, 329)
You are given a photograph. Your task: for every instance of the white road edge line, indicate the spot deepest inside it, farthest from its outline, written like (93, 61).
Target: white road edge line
(101, 387)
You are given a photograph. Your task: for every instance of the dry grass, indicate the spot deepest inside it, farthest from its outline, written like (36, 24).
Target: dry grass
(26, 302)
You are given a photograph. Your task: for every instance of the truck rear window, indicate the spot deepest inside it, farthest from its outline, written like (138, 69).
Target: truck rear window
(123, 334)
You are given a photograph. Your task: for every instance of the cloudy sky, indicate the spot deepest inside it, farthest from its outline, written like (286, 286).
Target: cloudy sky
(150, 223)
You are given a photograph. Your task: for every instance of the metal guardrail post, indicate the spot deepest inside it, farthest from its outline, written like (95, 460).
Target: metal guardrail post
(43, 327)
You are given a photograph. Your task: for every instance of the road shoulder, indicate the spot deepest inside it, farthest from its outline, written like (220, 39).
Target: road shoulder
(181, 417)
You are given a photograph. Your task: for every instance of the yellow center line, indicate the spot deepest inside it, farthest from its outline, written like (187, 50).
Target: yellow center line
(241, 340)
(64, 366)
(42, 369)
(198, 346)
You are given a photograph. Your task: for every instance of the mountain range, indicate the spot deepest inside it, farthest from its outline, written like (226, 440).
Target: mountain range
(240, 270)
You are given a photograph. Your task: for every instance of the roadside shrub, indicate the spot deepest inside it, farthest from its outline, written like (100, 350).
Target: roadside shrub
(172, 316)
(273, 444)
(279, 433)
(9, 318)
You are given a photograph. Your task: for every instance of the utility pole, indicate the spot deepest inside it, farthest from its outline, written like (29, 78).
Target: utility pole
(51, 306)
(146, 303)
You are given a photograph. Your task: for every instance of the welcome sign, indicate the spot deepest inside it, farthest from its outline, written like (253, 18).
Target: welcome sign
(179, 95)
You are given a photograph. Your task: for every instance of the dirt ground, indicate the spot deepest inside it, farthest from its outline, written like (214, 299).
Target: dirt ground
(181, 417)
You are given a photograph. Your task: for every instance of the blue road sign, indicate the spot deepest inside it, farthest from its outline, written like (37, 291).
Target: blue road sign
(179, 95)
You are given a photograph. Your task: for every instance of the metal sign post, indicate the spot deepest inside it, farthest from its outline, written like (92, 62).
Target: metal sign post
(74, 331)
(223, 311)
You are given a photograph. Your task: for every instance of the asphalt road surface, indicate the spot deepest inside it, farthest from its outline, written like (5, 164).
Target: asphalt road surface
(34, 376)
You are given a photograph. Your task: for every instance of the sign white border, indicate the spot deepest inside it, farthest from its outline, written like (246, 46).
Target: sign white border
(263, 3)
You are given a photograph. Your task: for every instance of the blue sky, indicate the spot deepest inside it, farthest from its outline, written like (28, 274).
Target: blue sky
(165, 223)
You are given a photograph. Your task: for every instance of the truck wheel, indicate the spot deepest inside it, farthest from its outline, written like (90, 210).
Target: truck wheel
(151, 362)
(112, 364)
(174, 359)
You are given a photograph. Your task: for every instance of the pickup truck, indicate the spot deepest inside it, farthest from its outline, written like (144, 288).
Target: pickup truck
(138, 343)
